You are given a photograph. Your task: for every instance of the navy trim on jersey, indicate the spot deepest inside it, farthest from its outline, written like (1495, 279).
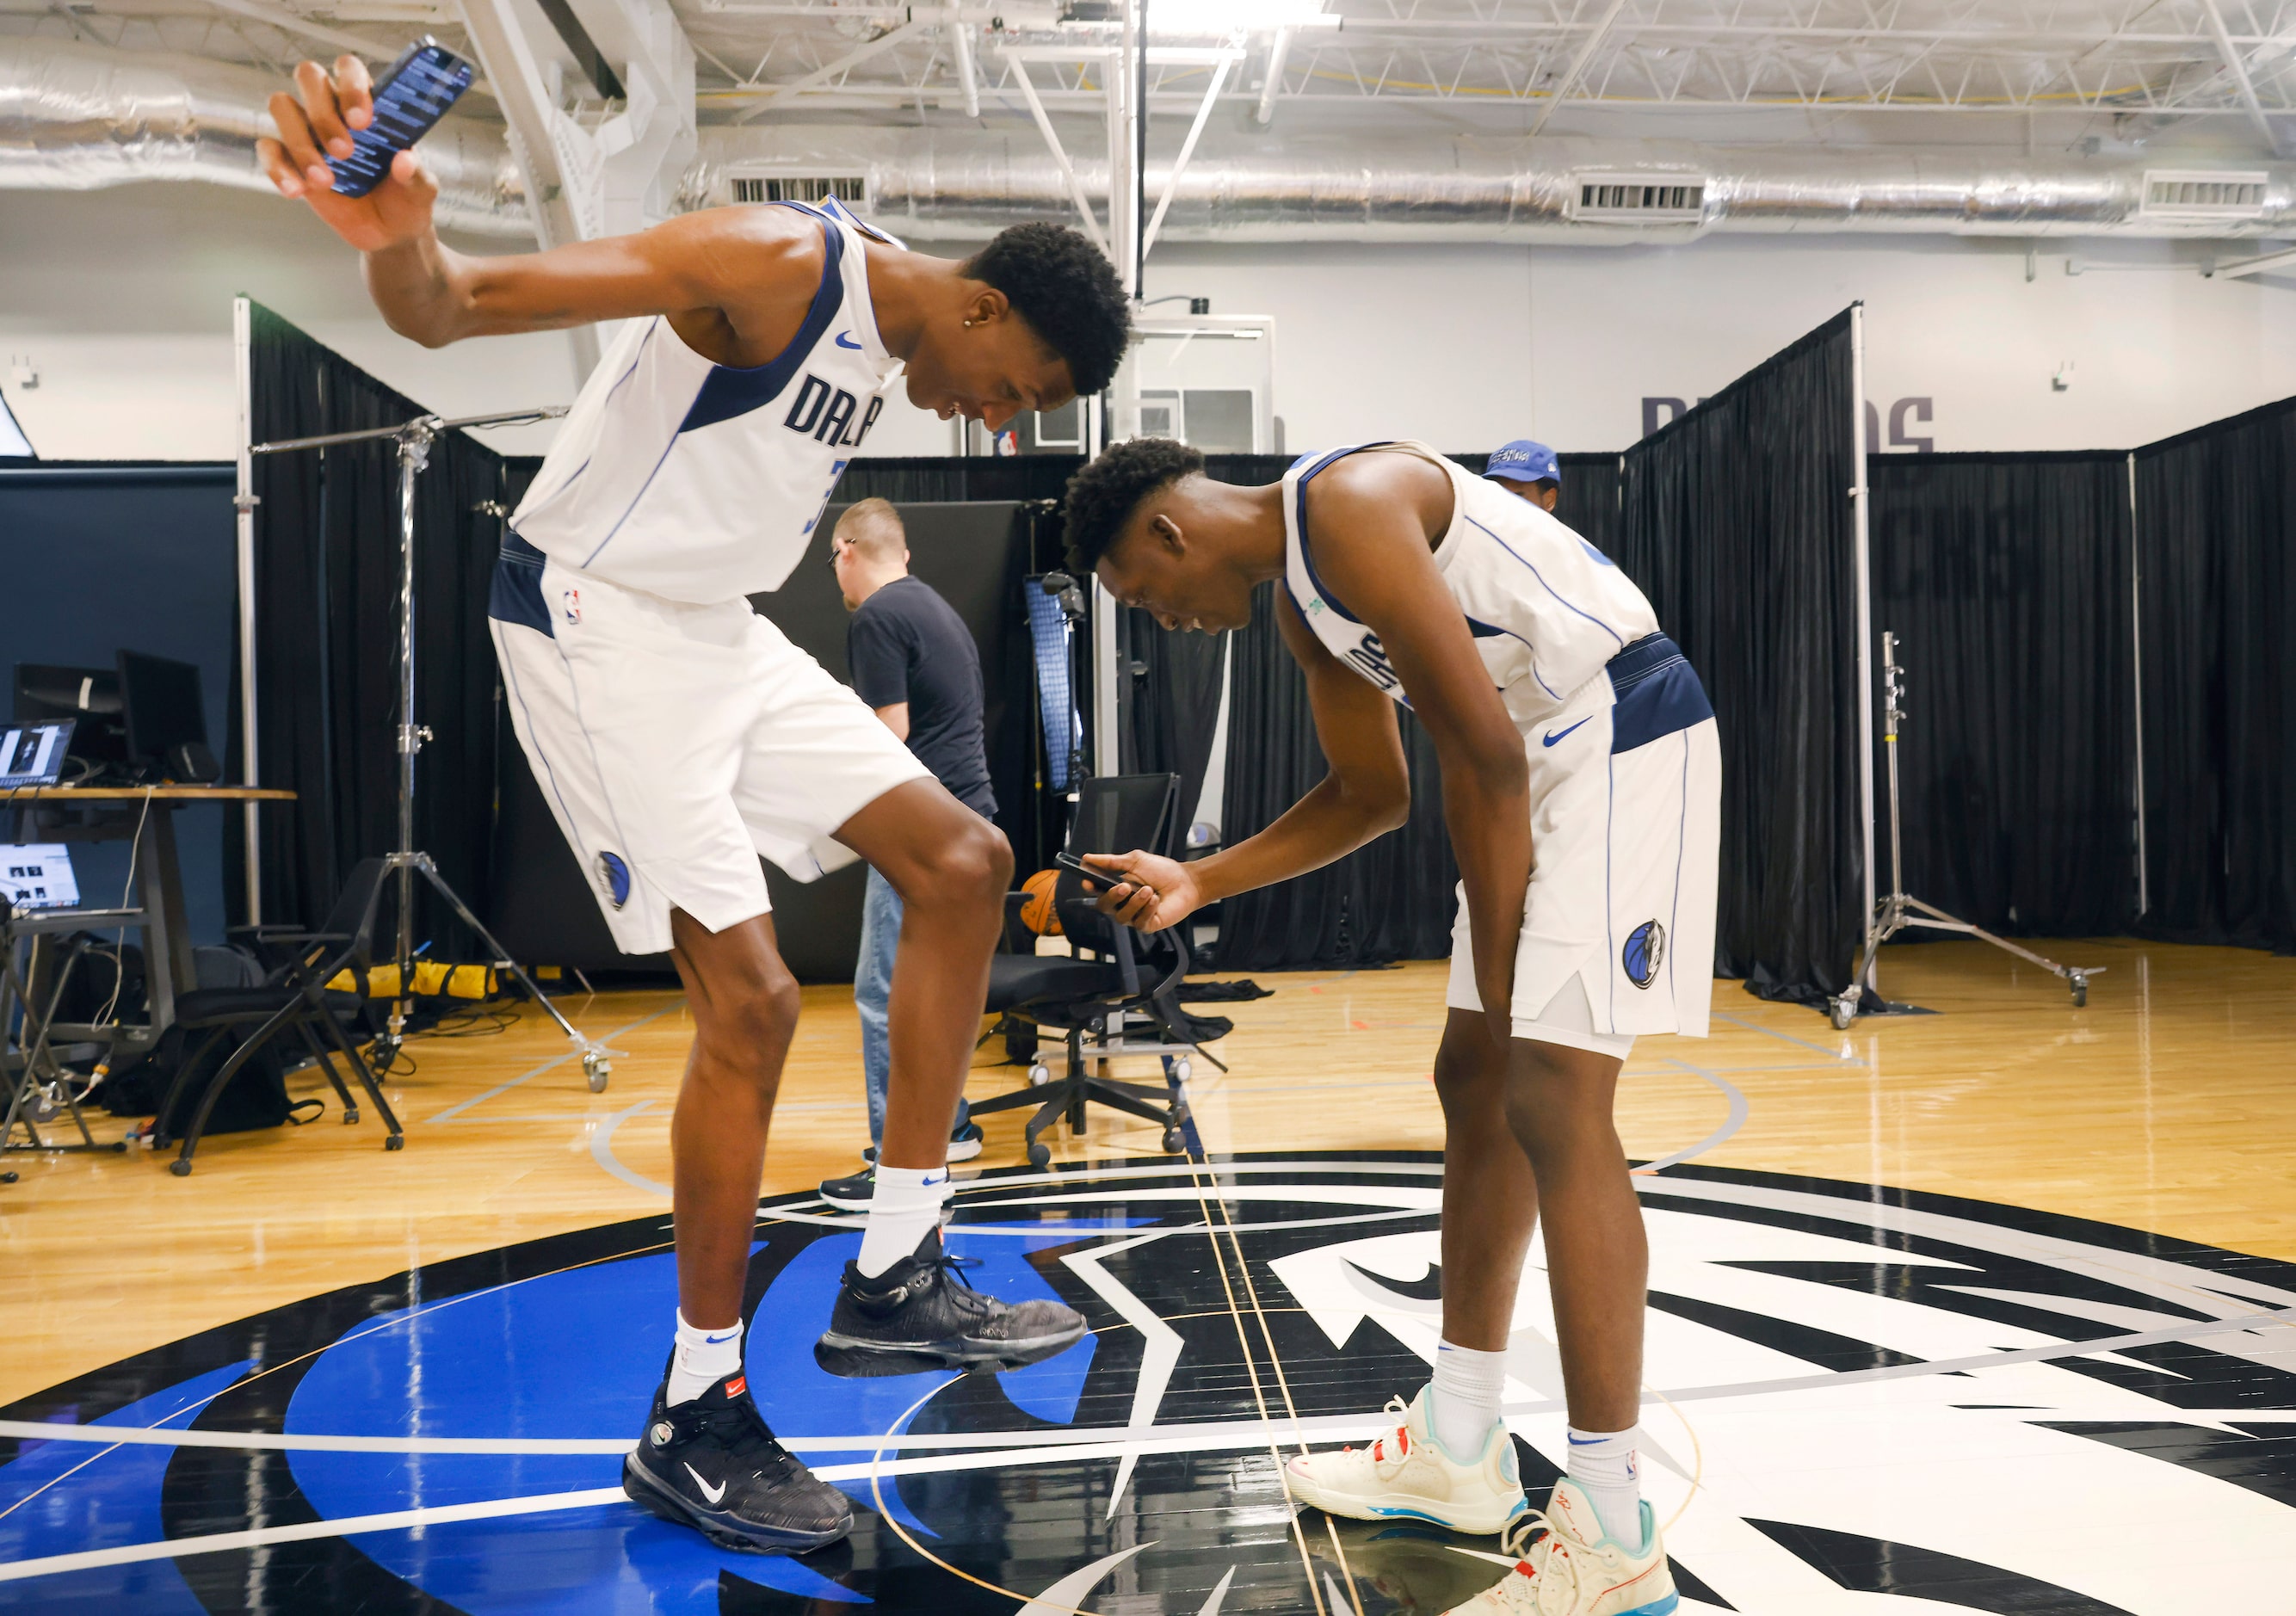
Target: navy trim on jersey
(729, 390)
(1657, 693)
(515, 596)
(1306, 560)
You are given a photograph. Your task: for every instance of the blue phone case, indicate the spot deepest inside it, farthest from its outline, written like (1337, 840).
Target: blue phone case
(411, 96)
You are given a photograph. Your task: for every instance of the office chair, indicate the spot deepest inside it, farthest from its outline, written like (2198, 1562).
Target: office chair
(293, 999)
(1133, 973)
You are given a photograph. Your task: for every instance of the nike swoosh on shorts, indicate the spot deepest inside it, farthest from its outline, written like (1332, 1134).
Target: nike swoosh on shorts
(1554, 735)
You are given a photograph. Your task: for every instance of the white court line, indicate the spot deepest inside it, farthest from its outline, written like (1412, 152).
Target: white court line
(455, 1110)
(1731, 1123)
(1772, 1032)
(602, 1151)
(1216, 1432)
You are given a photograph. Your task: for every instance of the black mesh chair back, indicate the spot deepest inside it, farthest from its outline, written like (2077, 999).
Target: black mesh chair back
(1114, 814)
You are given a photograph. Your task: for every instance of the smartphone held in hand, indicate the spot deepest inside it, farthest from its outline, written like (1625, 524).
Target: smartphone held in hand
(410, 98)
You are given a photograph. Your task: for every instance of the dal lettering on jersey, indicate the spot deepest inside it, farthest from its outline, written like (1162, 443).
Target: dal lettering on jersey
(1370, 659)
(826, 413)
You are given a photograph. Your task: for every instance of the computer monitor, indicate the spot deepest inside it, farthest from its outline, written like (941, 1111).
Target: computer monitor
(166, 719)
(90, 694)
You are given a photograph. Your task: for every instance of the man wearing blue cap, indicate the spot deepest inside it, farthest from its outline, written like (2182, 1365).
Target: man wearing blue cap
(1530, 470)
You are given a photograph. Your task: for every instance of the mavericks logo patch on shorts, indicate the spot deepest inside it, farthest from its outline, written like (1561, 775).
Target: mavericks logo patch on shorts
(614, 876)
(1644, 951)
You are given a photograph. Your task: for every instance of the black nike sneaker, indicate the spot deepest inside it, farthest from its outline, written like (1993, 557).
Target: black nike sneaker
(711, 1464)
(921, 1312)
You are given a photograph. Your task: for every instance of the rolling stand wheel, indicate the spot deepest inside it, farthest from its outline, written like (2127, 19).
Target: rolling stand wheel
(1039, 1074)
(180, 1168)
(396, 1142)
(1842, 1011)
(1039, 1154)
(2079, 981)
(596, 1069)
(350, 1115)
(1183, 1068)
(8, 1178)
(1176, 1143)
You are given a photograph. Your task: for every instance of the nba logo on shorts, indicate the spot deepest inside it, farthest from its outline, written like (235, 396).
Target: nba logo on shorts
(573, 598)
(614, 875)
(1645, 949)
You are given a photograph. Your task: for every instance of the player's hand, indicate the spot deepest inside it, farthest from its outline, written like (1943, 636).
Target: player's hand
(315, 122)
(1149, 892)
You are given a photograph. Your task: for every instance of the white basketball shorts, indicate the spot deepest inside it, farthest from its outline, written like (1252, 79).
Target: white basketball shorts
(675, 743)
(1617, 925)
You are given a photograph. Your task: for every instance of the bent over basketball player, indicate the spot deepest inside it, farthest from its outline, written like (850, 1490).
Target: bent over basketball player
(677, 734)
(1581, 786)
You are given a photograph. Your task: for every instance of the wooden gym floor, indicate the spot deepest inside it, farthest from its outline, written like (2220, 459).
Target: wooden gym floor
(2169, 1104)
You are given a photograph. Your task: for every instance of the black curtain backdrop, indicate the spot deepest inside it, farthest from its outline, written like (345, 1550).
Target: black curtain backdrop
(2005, 578)
(326, 569)
(1737, 522)
(2216, 525)
(1390, 900)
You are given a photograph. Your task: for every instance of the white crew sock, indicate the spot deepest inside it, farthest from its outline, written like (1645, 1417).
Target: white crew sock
(904, 1206)
(702, 1360)
(1603, 1463)
(1463, 1397)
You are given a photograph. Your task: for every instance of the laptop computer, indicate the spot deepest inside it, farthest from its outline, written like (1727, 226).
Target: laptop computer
(32, 751)
(38, 875)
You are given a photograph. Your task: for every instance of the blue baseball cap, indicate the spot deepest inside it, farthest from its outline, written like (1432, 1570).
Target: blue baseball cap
(1524, 461)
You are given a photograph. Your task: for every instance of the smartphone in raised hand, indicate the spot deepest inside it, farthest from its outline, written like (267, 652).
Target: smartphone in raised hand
(1105, 878)
(410, 98)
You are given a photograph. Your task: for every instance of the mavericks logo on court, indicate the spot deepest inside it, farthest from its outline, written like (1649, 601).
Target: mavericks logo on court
(1645, 952)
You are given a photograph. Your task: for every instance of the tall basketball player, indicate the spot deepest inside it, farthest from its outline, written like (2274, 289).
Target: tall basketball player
(1581, 786)
(678, 735)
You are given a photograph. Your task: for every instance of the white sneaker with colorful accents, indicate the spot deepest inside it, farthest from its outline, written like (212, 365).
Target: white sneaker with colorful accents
(1566, 1567)
(1409, 1474)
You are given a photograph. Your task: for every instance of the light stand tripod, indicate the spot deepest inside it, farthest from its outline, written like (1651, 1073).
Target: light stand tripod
(414, 438)
(1895, 911)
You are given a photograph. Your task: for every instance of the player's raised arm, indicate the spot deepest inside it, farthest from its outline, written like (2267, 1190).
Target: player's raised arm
(1372, 515)
(735, 281)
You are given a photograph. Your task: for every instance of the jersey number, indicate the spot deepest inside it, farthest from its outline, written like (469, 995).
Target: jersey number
(835, 471)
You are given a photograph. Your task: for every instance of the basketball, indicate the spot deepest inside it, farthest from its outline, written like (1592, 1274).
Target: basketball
(1038, 914)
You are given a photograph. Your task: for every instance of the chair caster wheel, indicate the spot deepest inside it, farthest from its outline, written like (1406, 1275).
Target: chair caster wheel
(7, 1178)
(350, 1115)
(1040, 1155)
(396, 1142)
(596, 1069)
(1039, 1075)
(1183, 1068)
(180, 1168)
(1176, 1143)
(1841, 1012)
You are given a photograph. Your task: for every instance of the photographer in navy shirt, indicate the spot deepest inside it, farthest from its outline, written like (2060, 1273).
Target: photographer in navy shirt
(913, 660)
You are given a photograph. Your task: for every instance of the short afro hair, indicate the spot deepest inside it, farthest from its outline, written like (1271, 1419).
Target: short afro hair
(1103, 496)
(1067, 292)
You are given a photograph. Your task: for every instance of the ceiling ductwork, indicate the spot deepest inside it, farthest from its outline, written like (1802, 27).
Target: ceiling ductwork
(967, 183)
(76, 120)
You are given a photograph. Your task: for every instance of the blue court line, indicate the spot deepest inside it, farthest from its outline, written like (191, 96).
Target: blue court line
(455, 1110)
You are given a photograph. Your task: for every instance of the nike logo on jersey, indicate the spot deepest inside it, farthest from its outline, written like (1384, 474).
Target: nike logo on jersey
(845, 340)
(1553, 735)
(711, 1493)
(825, 414)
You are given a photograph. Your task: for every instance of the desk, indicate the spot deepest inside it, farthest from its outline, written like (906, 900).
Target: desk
(145, 815)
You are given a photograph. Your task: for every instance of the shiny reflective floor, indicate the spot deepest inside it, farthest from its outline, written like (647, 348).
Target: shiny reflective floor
(1947, 1308)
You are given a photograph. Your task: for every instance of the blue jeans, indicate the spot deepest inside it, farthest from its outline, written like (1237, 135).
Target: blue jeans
(872, 988)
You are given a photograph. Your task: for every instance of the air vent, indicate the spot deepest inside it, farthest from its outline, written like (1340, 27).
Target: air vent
(1640, 199)
(2204, 194)
(851, 189)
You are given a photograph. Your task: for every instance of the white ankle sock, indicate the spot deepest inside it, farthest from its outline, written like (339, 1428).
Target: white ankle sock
(903, 1205)
(1604, 1464)
(1463, 1397)
(702, 1360)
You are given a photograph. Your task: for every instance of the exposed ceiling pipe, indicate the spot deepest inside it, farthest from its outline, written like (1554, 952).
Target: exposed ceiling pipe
(966, 184)
(77, 119)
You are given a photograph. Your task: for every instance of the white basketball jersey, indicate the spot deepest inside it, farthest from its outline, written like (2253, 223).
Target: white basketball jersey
(1548, 610)
(701, 482)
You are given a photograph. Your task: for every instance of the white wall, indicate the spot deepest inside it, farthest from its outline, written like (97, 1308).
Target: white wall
(122, 299)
